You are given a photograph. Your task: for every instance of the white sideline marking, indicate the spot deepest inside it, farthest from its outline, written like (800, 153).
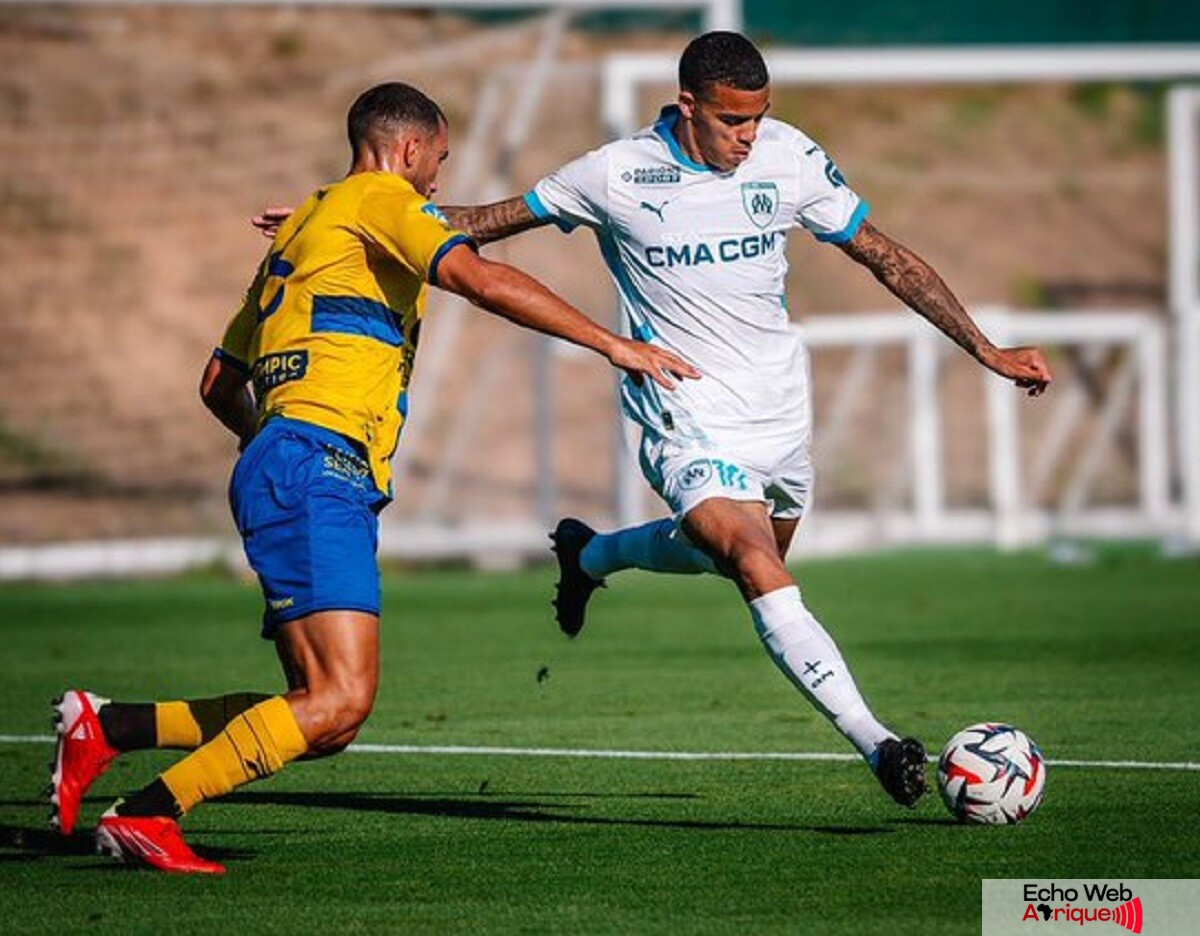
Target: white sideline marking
(455, 749)
(462, 749)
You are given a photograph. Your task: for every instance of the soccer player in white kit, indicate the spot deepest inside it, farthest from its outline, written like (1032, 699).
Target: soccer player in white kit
(691, 216)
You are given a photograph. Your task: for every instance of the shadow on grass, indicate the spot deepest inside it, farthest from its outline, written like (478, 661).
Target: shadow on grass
(23, 843)
(27, 844)
(529, 809)
(925, 821)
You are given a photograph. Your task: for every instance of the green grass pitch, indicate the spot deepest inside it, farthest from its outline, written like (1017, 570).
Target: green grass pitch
(1096, 663)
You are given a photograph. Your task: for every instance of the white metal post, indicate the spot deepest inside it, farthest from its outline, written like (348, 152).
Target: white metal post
(1004, 454)
(925, 434)
(1154, 468)
(1183, 110)
(723, 14)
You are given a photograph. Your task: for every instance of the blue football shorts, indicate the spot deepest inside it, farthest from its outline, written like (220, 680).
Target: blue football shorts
(307, 508)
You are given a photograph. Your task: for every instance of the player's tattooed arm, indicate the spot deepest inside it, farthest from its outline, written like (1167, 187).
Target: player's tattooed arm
(915, 283)
(487, 223)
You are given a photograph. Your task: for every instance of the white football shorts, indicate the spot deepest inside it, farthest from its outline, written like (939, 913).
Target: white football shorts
(686, 473)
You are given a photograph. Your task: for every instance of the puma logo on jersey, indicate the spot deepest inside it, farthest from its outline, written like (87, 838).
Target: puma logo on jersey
(658, 211)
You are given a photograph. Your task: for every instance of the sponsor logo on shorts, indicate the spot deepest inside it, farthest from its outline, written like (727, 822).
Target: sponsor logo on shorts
(281, 604)
(345, 467)
(695, 474)
(698, 473)
(272, 370)
(652, 175)
(731, 475)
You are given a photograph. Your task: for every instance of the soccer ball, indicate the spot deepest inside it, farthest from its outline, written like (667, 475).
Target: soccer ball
(991, 774)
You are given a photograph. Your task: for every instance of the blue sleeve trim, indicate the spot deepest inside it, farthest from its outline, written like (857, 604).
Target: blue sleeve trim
(445, 249)
(542, 213)
(226, 358)
(851, 228)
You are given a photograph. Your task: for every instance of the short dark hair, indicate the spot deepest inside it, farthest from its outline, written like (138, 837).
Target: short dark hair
(722, 58)
(386, 108)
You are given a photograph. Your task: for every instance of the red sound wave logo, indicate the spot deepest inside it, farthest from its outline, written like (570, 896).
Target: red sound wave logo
(1129, 915)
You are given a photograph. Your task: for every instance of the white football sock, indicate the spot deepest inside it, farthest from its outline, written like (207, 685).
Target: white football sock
(657, 546)
(808, 656)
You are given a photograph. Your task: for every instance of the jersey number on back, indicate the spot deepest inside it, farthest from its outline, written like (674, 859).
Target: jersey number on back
(280, 269)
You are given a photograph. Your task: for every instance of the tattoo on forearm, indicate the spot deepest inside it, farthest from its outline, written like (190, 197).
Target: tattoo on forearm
(917, 285)
(487, 223)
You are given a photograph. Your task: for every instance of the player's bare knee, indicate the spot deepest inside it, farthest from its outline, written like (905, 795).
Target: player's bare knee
(333, 716)
(334, 738)
(353, 708)
(335, 744)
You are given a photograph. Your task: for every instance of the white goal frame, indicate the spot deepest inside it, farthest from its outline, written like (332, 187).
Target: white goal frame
(625, 75)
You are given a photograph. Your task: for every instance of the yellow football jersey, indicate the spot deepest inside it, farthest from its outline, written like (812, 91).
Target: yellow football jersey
(329, 327)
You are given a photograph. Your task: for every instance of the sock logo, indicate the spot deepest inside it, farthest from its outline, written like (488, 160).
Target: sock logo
(255, 768)
(810, 668)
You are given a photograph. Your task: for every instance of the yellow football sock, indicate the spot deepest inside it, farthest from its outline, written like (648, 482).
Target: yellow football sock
(189, 724)
(176, 727)
(253, 745)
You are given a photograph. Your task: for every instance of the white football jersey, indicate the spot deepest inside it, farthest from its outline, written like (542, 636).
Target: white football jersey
(699, 260)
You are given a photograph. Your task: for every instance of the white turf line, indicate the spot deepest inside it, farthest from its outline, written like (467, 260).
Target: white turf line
(458, 750)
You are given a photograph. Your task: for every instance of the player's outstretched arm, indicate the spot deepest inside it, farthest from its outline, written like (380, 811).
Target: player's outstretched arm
(487, 223)
(223, 388)
(915, 283)
(518, 297)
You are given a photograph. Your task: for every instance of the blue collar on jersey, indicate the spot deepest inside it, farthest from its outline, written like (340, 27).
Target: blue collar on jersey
(668, 119)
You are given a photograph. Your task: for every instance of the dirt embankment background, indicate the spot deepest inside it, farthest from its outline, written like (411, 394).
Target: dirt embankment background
(136, 142)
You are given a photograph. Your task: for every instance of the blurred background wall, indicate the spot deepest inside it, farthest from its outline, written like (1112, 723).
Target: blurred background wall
(135, 141)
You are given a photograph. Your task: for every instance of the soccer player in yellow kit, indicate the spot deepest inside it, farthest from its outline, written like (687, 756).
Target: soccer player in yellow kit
(326, 335)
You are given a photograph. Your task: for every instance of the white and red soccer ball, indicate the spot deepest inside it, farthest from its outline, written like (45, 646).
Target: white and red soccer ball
(991, 774)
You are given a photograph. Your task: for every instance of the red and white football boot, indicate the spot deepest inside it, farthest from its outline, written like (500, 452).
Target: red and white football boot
(156, 841)
(82, 755)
